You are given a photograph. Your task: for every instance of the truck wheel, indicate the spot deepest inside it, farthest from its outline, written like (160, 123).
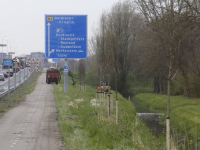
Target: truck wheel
(49, 82)
(56, 81)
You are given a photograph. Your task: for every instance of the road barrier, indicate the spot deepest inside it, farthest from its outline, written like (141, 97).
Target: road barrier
(4, 92)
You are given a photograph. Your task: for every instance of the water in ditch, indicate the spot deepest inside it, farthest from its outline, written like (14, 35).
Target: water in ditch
(152, 120)
(150, 117)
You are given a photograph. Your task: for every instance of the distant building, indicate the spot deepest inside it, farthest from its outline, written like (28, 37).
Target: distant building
(7, 56)
(38, 55)
(2, 56)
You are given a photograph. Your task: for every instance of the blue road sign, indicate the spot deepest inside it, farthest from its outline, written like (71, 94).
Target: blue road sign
(66, 69)
(56, 60)
(66, 36)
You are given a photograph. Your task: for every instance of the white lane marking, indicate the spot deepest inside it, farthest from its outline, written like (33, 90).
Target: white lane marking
(14, 143)
(11, 146)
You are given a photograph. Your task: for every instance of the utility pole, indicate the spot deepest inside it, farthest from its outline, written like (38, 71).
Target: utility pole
(19, 78)
(8, 82)
(9, 58)
(24, 77)
(27, 78)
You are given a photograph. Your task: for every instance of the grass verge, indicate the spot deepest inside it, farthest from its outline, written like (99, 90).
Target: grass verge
(85, 126)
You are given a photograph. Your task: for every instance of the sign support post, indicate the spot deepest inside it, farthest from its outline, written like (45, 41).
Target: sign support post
(66, 78)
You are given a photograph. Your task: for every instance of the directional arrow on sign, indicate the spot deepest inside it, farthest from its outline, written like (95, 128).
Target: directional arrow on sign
(51, 51)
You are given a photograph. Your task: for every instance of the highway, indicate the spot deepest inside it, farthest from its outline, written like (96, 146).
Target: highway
(4, 84)
(32, 124)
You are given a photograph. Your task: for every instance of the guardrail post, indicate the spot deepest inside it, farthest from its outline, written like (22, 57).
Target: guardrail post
(32, 78)
(27, 79)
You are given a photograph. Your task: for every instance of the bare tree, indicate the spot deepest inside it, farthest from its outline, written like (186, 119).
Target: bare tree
(115, 43)
(82, 70)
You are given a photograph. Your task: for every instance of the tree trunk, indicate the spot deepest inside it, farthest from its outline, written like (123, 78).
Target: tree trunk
(168, 121)
(152, 80)
(160, 85)
(135, 82)
(116, 100)
(156, 84)
(144, 83)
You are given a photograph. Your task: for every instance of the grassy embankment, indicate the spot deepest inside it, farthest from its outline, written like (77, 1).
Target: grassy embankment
(82, 129)
(184, 112)
(4, 101)
(140, 88)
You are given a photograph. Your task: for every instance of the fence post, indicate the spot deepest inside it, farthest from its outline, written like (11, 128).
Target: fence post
(15, 85)
(27, 79)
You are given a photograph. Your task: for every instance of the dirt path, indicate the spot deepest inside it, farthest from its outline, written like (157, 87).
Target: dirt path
(32, 125)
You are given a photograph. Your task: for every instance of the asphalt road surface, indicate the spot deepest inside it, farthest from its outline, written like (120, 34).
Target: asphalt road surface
(32, 125)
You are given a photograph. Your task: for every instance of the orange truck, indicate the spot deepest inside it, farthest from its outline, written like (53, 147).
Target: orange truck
(53, 75)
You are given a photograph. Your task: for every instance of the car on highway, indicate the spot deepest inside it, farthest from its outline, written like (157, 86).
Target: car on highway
(5, 74)
(1, 77)
(11, 72)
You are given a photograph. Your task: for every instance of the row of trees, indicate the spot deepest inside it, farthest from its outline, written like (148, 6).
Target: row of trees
(113, 44)
(153, 40)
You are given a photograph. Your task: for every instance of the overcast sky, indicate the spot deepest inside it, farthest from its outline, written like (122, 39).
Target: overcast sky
(22, 21)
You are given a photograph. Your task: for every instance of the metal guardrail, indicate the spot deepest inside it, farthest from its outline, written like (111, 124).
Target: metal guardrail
(12, 87)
